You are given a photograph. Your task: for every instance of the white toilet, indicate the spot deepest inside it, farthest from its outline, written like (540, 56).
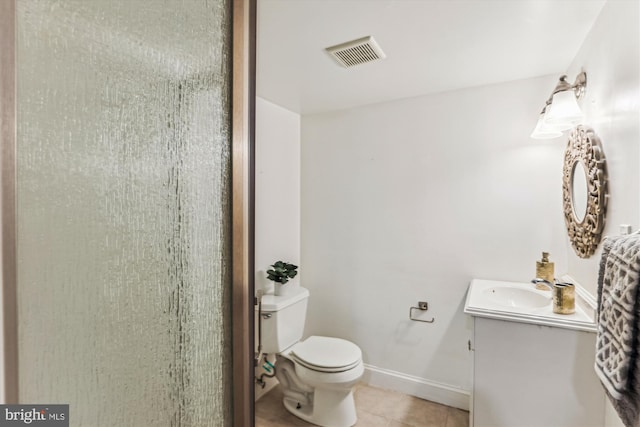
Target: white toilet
(316, 375)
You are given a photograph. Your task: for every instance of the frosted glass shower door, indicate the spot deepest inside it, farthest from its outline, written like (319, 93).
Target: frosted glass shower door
(123, 210)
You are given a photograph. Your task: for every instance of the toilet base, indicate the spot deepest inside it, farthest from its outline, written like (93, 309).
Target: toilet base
(329, 408)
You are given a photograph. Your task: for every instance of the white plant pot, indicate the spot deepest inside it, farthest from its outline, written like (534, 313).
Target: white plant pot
(279, 288)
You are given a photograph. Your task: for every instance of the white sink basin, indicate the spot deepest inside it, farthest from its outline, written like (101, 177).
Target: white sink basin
(516, 297)
(522, 302)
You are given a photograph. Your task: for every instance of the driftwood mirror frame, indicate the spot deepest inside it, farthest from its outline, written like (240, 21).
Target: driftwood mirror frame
(585, 147)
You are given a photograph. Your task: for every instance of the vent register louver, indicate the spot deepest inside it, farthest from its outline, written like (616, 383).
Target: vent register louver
(356, 52)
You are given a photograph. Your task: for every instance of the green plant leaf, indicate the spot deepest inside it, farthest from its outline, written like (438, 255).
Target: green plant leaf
(282, 272)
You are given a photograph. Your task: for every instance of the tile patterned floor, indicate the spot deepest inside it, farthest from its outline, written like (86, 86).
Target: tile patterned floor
(376, 408)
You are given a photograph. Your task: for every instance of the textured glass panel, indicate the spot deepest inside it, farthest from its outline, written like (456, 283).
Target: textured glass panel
(123, 210)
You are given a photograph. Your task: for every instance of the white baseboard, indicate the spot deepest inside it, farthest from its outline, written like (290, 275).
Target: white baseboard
(416, 386)
(403, 383)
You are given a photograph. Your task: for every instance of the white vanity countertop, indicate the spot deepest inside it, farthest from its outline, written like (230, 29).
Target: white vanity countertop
(522, 302)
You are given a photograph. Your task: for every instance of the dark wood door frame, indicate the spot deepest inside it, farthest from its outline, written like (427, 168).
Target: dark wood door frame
(244, 71)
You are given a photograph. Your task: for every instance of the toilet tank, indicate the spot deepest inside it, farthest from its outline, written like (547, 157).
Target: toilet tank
(283, 318)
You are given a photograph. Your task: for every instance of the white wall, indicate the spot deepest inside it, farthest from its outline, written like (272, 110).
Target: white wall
(410, 200)
(611, 57)
(277, 188)
(277, 195)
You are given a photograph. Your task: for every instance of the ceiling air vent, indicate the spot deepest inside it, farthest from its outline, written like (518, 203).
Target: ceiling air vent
(356, 52)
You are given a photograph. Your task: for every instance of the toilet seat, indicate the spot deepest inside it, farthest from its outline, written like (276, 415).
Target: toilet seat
(326, 354)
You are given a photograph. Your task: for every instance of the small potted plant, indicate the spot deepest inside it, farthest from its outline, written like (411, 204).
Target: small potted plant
(280, 273)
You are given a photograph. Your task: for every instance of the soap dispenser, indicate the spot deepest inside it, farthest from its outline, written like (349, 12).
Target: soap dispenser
(544, 268)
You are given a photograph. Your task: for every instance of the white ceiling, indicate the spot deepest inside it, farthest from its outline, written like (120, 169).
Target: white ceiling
(431, 46)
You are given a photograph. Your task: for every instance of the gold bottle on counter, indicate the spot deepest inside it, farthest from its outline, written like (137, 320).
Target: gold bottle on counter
(544, 270)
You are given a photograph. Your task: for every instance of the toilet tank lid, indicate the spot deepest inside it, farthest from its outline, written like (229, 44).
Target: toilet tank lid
(271, 302)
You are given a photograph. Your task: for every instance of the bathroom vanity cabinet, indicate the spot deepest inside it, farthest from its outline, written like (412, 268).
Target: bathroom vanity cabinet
(531, 375)
(530, 372)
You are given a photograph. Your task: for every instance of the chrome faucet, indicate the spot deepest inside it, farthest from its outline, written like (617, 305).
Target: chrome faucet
(542, 284)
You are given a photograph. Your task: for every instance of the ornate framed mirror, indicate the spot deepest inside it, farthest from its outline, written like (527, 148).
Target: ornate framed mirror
(584, 190)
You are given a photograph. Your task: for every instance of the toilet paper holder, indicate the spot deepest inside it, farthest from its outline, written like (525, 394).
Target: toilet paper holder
(422, 306)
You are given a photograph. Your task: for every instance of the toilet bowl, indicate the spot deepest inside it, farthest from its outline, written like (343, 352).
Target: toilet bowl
(316, 375)
(325, 370)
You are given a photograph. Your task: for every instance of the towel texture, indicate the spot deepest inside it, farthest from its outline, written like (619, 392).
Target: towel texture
(617, 362)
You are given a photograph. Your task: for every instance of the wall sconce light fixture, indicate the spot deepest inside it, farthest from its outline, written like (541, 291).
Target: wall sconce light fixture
(561, 111)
